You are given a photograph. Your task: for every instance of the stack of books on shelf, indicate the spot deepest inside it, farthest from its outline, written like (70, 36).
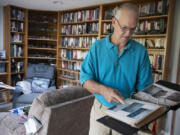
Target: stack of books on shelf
(157, 43)
(151, 27)
(17, 26)
(17, 66)
(73, 54)
(154, 8)
(75, 66)
(16, 51)
(80, 42)
(15, 37)
(82, 15)
(17, 13)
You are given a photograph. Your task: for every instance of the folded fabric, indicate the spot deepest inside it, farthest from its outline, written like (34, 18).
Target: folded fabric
(25, 86)
(40, 84)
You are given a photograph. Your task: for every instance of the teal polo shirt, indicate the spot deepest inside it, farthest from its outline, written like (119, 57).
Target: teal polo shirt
(127, 72)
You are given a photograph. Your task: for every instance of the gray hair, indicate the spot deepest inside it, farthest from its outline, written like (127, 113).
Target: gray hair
(129, 6)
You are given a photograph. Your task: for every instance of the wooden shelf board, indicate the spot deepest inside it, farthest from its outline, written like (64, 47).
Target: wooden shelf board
(17, 32)
(42, 58)
(14, 73)
(18, 43)
(80, 22)
(4, 61)
(39, 39)
(149, 35)
(4, 73)
(73, 48)
(36, 48)
(70, 60)
(67, 70)
(66, 79)
(80, 35)
(15, 19)
(17, 57)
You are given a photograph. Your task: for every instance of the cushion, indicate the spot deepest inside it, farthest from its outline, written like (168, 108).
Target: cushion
(40, 84)
(40, 70)
(24, 86)
(27, 98)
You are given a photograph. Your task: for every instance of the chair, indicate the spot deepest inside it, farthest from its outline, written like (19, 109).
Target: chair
(38, 71)
(63, 111)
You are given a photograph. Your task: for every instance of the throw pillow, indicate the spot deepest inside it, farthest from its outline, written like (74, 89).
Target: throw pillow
(40, 84)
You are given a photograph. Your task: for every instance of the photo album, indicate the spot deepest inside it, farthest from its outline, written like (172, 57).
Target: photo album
(145, 105)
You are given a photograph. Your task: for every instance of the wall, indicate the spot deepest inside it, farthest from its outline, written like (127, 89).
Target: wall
(174, 60)
(1, 27)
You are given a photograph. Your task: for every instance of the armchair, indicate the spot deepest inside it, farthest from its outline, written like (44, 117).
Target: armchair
(38, 71)
(63, 111)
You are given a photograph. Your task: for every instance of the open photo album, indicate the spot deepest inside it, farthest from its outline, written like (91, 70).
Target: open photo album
(145, 105)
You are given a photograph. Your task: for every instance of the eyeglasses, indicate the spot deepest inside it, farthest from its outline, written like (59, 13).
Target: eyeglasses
(125, 29)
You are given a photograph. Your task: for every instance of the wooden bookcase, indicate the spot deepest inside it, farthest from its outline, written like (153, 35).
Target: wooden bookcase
(78, 29)
(15, 43)
(157, 41)
(64, 37)
(42, 36)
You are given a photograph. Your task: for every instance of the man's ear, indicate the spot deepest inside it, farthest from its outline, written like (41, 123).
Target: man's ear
(113, 21)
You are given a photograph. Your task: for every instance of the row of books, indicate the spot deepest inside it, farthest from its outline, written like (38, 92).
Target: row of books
(17, 66)
(41, 45)
(71, 76)
(41, 54)
(80, 42)
(43, 37)
(15, 37)
(87, 28)
(82, 15)
(17, 26)
(46, 61)
(158, 43)
(108, 28)
(76, 66)
(156, 61)
(73, 54)
(155, 8)
(48, 30)
(151, 27)
(16, 51)
(43, 21)
(157, 77)
(17, 13)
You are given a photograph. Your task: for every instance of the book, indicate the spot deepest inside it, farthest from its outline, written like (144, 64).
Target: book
(145, 106)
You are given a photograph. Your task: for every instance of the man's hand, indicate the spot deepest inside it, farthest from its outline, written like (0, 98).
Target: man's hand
(112, 95)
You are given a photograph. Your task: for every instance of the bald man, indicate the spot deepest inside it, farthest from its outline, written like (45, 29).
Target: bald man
(115, 67)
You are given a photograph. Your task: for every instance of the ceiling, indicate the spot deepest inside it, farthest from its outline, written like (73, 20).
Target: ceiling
(53, 4)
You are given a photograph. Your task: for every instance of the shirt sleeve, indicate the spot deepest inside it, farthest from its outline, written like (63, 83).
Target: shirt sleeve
(144, 78)
(88, 67)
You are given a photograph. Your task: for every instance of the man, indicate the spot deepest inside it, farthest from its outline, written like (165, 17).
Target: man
(115, 67)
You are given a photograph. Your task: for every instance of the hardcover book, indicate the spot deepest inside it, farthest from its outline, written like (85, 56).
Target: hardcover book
(145, 106)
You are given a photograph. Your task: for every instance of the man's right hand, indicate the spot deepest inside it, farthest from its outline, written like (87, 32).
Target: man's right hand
(112, 95)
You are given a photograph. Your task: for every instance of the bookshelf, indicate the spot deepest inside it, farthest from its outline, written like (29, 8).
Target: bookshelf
(15, 43)
(64, 37)
(42, 36)
(78, 30)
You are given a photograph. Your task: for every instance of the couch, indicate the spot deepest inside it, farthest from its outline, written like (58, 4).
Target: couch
(34, 70)
(63, 111)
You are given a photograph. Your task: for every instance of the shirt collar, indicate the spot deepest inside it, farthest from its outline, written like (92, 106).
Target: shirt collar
(111, 45)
